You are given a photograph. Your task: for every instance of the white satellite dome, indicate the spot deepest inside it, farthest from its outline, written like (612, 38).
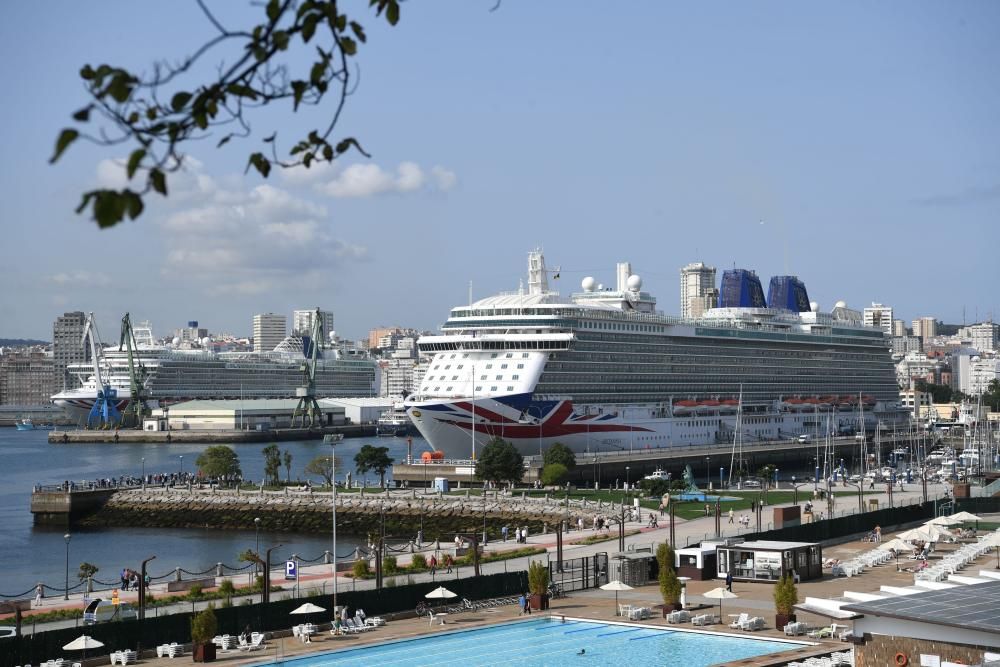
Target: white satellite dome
(840, 304)
(588, 284)
(814, 306)
(176, 340)
(205, 341)
(634, 283)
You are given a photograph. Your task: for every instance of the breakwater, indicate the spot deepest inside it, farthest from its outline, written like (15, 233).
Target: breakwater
(201, 436)
(403, 512)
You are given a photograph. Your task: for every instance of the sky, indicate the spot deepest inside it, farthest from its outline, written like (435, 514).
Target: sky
(854, 144)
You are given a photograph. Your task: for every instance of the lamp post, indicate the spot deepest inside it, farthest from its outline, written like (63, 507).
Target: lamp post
(333, 496)
(142, 589)
(143, 470)
(708, 472)
(861, 501)
(66, 591)
(484, 513)
(267, 573)
(627, 468)
(182, 466)
(256, 535)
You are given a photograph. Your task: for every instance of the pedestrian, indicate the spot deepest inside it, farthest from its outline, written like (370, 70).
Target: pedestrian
(731, 515)
(579, 523)
(524, 534)
(729, 581)
(39, 594)
(522, 605)
(871, 486)
(503, 532)
(447, 563)
(878, 534)
(434, 565)
(527, 604)
(706, 509)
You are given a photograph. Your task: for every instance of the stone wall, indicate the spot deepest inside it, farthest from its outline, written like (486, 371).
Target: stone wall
(404, 510)
(881, 650)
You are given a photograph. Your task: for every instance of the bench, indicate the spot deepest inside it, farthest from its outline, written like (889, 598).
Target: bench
(174, 586)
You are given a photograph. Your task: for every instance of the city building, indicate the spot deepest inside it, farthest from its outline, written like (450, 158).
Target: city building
(918, 366)
(879, 317)
(268, 331)
(302, 322)
(984, 336)
(698, 290)
(397, 377)
(68, 347)
(192, 333)
(903, 344)
(918, 402)
(27, 377)
(925, 327)
(898, 328)
(978, 373)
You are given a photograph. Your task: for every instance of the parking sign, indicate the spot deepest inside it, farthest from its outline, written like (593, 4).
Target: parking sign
(291, 570)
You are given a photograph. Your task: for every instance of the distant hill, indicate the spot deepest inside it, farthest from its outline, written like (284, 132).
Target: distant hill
(947, 329)
(21, 342)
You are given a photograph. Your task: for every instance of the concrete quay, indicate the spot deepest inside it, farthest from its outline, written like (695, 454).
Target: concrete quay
(207, 436)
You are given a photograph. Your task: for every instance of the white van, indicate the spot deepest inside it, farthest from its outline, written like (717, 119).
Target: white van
(804, 437)
(99, 611)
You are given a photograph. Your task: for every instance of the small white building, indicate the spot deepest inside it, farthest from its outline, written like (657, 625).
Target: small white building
(260, 414)
(362, 410)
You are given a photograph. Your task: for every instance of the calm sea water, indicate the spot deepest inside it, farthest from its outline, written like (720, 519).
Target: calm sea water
(29, 554)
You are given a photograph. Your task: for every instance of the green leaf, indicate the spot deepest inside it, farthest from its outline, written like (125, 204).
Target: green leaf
(392, 12)
(133, 161)
(109, 208)
(309, 27)
(133, 118)
(242, 90)
(273, 10)
(133, 203)
(224, 141)
(151, 113)
(179, 100)
(260, 163)
(298, 90)
(83, 115)
(307, 159)
(358, 31)
(348, 45)
(328, 152)
(120, 87)
(158, 180)
(280, 38)
(317, 72)
(87, 196)
(66, 137)
(87, 73)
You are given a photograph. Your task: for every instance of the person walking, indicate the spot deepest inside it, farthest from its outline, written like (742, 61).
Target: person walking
(447, 563)
(729, 581)
(434, 565)
(39, 594)
(731, 515)
(503, 532)
(522, 605)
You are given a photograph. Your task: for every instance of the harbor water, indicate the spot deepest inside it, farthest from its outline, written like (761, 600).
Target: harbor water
(29, 553)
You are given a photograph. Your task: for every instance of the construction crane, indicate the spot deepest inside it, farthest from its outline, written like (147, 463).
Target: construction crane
(307, 409)
(137, 408)
(104, 412)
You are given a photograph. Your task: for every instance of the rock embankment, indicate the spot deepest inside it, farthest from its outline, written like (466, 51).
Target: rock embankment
(404, 511)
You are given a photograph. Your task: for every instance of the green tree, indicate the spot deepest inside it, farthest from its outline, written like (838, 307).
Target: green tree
(204, 625)
(538, 578)
(87, 570)
(158, 112)
(499, 462)
(320, 467)
(553, 474)
(375, 459)
(559, 453)
(218, 461)
(991, 397)
(272, 464)
(670, 585)
(287, 458)
(786, 595)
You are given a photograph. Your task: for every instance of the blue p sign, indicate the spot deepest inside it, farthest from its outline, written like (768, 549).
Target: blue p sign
(291, 570)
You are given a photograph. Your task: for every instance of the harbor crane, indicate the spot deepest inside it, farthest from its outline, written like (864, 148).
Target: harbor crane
(104, 412)
(137, 407)
(307, 410)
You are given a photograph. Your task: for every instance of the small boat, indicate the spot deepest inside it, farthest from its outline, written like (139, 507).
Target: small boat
(331, 438)
(25, 424)
(658, 474)
(684, 407)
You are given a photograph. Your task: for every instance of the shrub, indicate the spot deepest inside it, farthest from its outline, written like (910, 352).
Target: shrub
(194, 593)
(418, 562)
(786, 595)
(389, 565)
(554, 474)
(670, 585)
(360, 570)
(538, 578)
(204, 625)
(226, 588)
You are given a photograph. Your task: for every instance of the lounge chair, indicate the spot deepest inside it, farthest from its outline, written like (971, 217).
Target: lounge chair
(751, 624)
(256, 643)
(743, 618)
(705, 619)
(796, 628)
(679, 616)
(820, 633)
(374, 621)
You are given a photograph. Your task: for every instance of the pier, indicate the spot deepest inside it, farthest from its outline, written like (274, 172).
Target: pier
(209, 436)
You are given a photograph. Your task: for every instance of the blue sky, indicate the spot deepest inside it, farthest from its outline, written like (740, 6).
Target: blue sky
(853, 144)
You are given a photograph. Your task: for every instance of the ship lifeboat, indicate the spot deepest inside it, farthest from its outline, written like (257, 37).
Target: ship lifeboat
(684, 407)
(811, 403)
(729, 405)
(796, 404)
(868, 400)
(828, 401)
(708, 406)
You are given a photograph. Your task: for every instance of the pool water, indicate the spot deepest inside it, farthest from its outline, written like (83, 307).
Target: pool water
(550, 642)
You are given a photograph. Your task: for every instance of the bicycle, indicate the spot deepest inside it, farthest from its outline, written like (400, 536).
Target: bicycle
(422, 608)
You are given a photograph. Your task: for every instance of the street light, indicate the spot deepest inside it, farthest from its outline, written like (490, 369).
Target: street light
(626, 477)
(143, 471)
(142, 589)
(333, 501)
(66, 591)
(182, 466)
(256, 535)
(267, 573)
(708, 472)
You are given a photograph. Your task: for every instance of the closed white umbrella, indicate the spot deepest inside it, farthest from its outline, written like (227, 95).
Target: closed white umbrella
(441, 592)
(616, 586)
(720, 593)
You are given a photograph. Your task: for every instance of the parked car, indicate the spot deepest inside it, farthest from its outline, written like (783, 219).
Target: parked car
(7, 631)
(751, 484)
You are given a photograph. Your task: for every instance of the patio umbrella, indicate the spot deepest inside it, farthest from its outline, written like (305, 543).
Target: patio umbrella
(938, 532)
(896, 545)
(82, 643)
(721, 594)
(917, 534)
(964, 516)
(441, 592)
(616, 586)
(943, 521)
(307, 608)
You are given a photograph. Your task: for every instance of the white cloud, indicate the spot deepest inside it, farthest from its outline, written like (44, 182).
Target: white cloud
(369, 179)
(81, 279)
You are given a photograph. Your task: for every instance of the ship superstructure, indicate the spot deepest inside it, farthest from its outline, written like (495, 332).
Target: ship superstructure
(175, 375)
(604, 370)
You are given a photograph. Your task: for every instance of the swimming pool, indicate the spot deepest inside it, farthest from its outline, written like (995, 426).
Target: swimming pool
(550, 642)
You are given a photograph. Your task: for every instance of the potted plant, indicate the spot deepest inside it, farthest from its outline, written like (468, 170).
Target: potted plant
(203, 628)
(786, 596)
(538, 585)
(670, 585)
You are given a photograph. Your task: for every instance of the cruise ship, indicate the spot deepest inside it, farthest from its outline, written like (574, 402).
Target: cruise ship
(604, 370)
(175, 375)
